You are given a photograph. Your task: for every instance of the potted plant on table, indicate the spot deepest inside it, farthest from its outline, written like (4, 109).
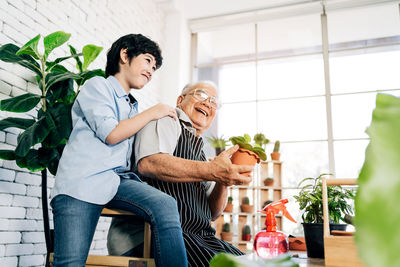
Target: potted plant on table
(229, 205)
(226, 233)
(275, 155)
(45, 131)
(246, 207)
(246, 233)
(246, 154)
(218, 143)
(310, 200)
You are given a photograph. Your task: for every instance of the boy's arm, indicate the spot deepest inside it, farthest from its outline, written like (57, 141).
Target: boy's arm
(127, 128)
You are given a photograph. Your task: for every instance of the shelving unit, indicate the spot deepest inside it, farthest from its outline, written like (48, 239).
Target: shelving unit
(258, 194)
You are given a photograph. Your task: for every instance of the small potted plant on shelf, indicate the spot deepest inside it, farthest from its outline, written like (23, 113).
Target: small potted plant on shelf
(275, 155)
(247, 154)
(218, 143)
(246, 207)
(310, 200)
(260, 140)
(269, 181)
(246, 233)
(229, 205)
(226, 233)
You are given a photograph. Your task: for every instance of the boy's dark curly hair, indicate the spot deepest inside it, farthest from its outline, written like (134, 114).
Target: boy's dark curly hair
(136, 44)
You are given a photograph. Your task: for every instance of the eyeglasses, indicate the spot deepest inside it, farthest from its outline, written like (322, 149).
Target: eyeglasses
(201, 96)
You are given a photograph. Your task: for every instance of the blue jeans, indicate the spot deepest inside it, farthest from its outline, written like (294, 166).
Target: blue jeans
(75, 223)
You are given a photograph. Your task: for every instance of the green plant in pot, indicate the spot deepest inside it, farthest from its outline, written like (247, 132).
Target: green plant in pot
(245, 206)
(246, 233)
(229, 205)
(260, 140)
(226, 233)
(269, 181)
(218, 143)
(48, 124)
(276, 155)
(246, 154)
(310, 200)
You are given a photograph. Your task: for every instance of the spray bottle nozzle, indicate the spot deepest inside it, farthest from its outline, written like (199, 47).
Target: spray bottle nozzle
(271, 210)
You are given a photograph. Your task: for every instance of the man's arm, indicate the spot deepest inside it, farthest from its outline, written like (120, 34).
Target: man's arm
(173, 169)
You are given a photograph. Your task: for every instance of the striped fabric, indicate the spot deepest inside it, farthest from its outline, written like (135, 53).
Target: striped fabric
(195, 214)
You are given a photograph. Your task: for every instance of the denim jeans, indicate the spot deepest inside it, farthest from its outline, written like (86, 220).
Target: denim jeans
(75, 222)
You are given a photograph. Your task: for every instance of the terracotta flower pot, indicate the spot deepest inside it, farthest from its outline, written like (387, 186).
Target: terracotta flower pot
(275, 155)
(247, 208)
(245, 157)
(246, 237)
(227, 236)
(228, 207)
(268, 182)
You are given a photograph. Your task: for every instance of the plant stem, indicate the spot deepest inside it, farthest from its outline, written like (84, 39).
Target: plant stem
(43, 71)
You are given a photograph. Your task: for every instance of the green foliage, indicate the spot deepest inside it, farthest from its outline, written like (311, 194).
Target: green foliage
(246, 230)
(277, 146)
(377, 201)
(246, 201)
(230, 199)
(310, 200)
(244, 142)
(226, 228)
(260, 140)
(218, 142)
(229, 260)
(43, 138)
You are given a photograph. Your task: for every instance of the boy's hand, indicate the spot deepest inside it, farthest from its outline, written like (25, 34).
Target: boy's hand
(161, 110)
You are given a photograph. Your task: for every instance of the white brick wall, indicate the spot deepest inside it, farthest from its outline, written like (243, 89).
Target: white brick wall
(98, 22)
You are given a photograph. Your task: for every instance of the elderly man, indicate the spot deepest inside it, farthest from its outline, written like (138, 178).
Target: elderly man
(169, 156)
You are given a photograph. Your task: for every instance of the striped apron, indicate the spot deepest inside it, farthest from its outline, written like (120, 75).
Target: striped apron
(195, 214)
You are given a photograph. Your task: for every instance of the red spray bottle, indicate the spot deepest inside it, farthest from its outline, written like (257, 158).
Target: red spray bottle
(271, 243)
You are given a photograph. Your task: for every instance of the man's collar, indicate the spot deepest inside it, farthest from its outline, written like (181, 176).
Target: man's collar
(183, 117)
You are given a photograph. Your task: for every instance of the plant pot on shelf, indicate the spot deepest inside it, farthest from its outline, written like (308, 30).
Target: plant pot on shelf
(246, 233)
(247, 208)
(226, 233)
(269, 181)
(228, 207)
(314, 236)
(245, 157)
(275, 156)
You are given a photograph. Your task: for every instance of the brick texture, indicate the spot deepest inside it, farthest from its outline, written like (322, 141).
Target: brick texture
(98, 22)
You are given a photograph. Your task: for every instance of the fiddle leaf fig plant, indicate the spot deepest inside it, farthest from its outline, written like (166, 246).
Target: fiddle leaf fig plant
(48, 123)
(244, 142)
(310, 200)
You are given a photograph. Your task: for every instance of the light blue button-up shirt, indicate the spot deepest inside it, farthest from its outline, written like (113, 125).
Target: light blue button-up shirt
(89, 168)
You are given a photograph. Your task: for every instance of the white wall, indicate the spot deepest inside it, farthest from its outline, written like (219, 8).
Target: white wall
(99, 22)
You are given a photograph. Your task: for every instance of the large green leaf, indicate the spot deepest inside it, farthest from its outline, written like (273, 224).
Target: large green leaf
(378, 197)
(34, 135)
(30, 48)
(30, 161)
(16, 123)
(86, 75)
(7, 154)
(90, 53)
(54, 40)
(60, 92)
(61, 114)
(77, 59)
(8, 54)
(50, 65)
(49, 157)
(22, 103)
(52, 78)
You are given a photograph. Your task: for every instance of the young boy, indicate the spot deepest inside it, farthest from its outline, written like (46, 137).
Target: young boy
(94, 170)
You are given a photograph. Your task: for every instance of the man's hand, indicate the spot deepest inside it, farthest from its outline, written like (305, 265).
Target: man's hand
(226, 173)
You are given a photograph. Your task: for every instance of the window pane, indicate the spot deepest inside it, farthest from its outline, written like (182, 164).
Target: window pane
(287, 35)
(235, 42)
(365, 70)
(237, 119)
(237, 82)
(363, 23)
(293, 119)
(299, 76)
(349, 157)
(351, 115)
(301, 160)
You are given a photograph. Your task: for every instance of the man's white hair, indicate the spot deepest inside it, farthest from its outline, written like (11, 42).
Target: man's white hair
(190, 86)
